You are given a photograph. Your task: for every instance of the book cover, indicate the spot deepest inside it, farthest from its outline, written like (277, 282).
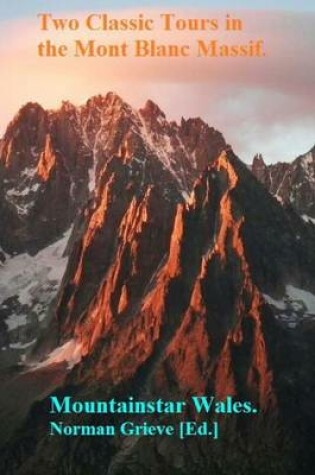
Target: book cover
(157, 237)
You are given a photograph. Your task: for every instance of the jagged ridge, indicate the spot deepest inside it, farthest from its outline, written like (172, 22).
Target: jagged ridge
(293, 183)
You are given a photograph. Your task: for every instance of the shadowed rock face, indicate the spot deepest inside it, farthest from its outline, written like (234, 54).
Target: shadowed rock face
(293, 183)
(183, 309)
(186, 323)
(180, 266)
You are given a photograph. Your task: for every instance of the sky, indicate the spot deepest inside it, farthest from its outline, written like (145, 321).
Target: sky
(261, 105)
(16, 8)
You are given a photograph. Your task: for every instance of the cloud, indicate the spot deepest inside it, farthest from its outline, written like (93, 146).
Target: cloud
(261, 105)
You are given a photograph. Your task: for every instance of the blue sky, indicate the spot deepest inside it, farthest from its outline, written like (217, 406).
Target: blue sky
(16, 8)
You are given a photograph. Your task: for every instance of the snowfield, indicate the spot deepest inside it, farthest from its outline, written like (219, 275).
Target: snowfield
(295, 306)
(70, 353)
(28, 286)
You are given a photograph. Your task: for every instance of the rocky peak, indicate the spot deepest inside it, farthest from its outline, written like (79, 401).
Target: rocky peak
(151, 112)
(23, 137)
(113, 99)
(67, 106)
(293, 184)
(28, 119)
(28, 114)
(42, 152)
(260, 169)
(308, 159)
(204, 143)
(258, 161)
(107, 103)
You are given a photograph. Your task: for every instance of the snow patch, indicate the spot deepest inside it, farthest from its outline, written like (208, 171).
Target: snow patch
(92, 177)
(16, 193)
(303, 296)
(28, 285)
(35, 187)
(15, 321)
(279, 304)
(308, 219)
(29, 172)
(22, 346)
(70, 352)
(24, 275)
(160, 144)
(185, 195)
(295, 306)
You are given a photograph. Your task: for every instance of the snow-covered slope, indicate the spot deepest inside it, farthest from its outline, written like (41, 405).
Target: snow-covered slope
(28, 286)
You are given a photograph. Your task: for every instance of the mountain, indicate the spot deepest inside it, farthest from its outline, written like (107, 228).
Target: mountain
(50, 160)
(182, 276)
(291, 183)
(50, 165)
